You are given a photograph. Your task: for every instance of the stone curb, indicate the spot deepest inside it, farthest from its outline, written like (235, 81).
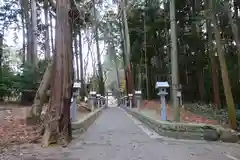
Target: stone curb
(83, 124)
(190, 131)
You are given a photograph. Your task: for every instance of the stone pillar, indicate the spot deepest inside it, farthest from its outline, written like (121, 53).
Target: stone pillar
(92, 99)
(74, 107)
(130, 100)
(138, 97)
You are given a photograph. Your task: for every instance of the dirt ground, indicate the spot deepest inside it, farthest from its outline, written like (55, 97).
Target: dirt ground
(13, 126)
(186, 116)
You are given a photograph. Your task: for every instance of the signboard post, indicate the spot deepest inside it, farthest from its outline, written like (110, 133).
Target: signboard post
(76, 87)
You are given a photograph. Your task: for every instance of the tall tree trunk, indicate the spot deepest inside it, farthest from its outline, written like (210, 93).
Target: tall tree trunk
(233, 23)
(41, 94)
(123, 47)
(1, 60)
(76, 56)
(236, 10)
(58, 123)
(100, 73)
(112, 51)
(23, 32)
(224, 71)
(82, 90)
(51, 31)
(145, 56)
(34, 31)
(196, 30)
(201, 85)
(214, 65)
(127, 53)
(25, 4)
(47, 45)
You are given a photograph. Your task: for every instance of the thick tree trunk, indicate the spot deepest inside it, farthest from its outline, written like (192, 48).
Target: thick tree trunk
(127, 47)
(23, 32)
(214, 65)
(130, 79)
(235, 32)
(51, 31)
(123, 47)
(1, 59)
(82, 91)
(34, 31)
(47, 45)
(76, 56)
(41, 95)
(146, 58)
(224, 71)
(25, 4)
(201, 87)
(58, 123)
(101, 88)
(215, 80)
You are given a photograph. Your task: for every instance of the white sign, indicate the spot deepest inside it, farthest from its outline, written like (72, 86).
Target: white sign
(76, 85)
(93, 93)
(179, 94)
(138, 92)
(162, 85)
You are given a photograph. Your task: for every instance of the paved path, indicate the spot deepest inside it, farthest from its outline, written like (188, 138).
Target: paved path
(115, 135)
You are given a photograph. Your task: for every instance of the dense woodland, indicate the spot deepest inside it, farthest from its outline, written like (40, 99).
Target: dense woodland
(208, 50)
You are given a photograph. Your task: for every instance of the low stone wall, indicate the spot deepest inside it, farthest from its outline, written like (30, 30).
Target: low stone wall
(83, 124)
(191, 131)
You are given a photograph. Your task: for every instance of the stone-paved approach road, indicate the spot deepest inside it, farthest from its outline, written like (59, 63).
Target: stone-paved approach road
(115, 135)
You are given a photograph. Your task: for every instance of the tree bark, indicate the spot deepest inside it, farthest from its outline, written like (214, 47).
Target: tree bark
(76, 56)
(123, 47)
(214, 65)
(127, 47)
(47, 45)
(82, 90)
(1, 60)
(41, 95)
(25, 4)
(101, 88)
(145, 57)
(23, 32)
(224, 71)
(201, 86)
(51, 31)
(58, 123)
(34, 32)
(235, 33)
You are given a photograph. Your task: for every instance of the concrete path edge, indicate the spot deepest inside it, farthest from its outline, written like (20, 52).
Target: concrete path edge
(192, 131)
(83, 124)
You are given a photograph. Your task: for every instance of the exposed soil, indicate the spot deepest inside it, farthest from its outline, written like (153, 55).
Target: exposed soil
(186, 116)
(13, 128)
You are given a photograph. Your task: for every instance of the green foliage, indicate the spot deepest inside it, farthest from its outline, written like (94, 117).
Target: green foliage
(192, 47)
(26, 82)
(30, 77)
(6, 81)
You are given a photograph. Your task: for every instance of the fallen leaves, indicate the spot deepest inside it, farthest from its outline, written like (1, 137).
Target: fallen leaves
(13, 130)
(186, 116)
